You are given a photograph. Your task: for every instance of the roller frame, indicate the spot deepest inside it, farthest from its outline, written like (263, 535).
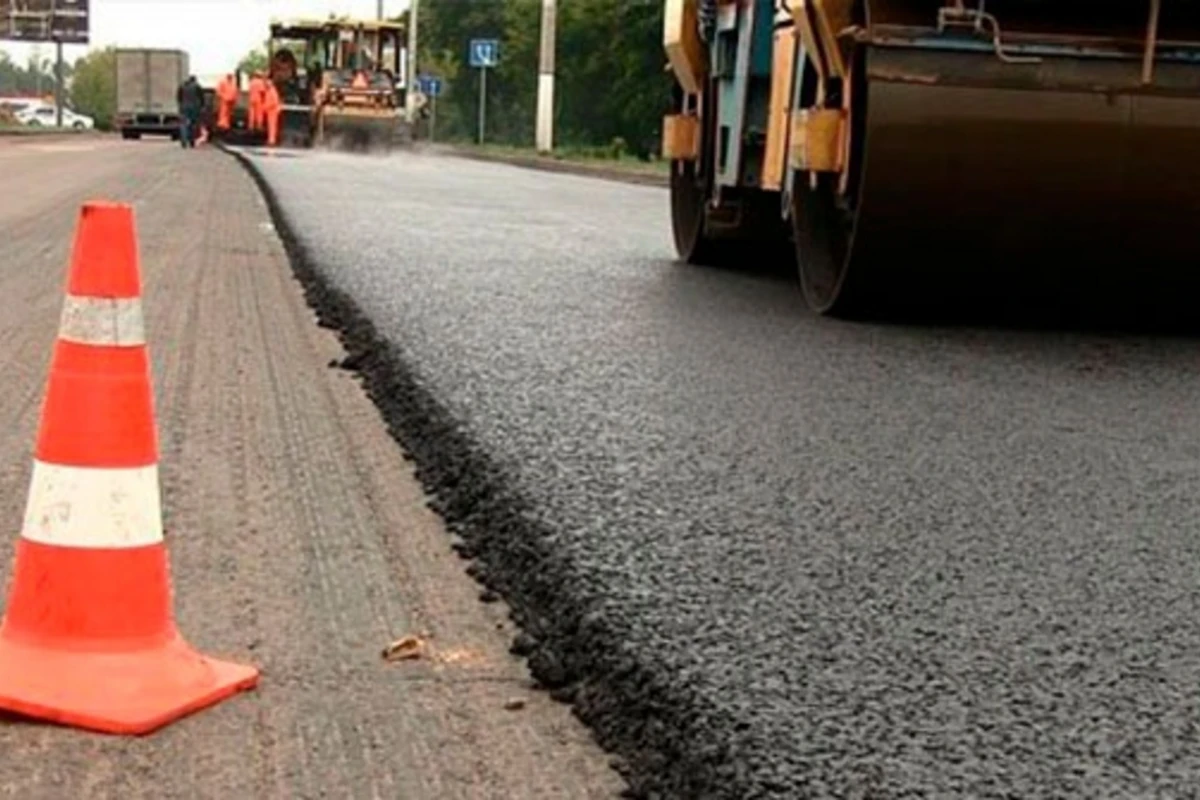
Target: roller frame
(1129, 107)
(734, 210)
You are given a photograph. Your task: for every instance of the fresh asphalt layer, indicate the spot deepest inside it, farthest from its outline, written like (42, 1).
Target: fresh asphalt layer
(768, 554)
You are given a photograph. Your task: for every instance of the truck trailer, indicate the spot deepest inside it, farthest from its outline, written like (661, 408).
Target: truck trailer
(896, 147)
(146, 81)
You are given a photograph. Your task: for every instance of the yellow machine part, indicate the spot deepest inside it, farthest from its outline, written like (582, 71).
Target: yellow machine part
(819, 139)
(819, 22)
(783, 58)
(681, 39)
(681, 136)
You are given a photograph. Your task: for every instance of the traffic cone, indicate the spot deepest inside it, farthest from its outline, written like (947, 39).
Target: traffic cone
(88, 637)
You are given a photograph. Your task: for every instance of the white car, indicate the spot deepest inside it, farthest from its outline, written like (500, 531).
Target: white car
(47, 116)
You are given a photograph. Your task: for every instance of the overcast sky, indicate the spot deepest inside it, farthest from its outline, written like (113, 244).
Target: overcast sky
(215, 33)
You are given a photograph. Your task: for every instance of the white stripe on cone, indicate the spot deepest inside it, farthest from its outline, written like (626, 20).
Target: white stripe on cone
(92, 507)
(103, 321)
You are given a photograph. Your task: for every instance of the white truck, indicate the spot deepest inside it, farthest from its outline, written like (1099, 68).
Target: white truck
(147, 80)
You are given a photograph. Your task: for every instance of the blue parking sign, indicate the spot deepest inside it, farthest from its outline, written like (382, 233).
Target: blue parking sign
(430, 85)
(484, 52)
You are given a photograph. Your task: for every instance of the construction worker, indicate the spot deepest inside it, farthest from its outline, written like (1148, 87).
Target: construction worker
(191, 103)
(258, 94)
(205, 121)
(272, 108)
(227, 97)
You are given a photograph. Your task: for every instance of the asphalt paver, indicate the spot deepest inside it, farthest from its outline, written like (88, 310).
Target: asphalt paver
(767, 554)
(299, 539)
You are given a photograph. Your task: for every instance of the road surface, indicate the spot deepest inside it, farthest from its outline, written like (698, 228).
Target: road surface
(770, 554)
(298, 537)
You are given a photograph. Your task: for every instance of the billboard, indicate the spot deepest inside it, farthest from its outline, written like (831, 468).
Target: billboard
(63, 21)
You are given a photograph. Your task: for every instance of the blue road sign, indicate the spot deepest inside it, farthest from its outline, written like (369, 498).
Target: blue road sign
(430, 85)
(484, 52)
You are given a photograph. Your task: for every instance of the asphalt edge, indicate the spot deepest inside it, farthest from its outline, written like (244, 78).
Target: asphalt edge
(544, 164)
(643, 717)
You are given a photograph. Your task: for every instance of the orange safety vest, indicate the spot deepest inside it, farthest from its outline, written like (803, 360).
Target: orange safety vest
(227, 90)
(258, 93)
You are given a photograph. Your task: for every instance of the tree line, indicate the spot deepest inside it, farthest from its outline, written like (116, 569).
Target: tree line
(34, 77)
(611, 87)
(90, 80)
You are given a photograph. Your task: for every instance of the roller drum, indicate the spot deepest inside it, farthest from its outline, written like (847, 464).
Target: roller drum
(358, 133)
(993, 179)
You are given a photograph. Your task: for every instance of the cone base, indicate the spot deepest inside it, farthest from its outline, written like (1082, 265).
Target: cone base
(125, 693)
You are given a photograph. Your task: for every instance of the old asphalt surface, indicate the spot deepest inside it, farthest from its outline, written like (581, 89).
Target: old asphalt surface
(299, 539)
(767, 554)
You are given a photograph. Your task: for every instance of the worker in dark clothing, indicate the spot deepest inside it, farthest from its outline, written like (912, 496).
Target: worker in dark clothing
(207, 120)
(184, 126)
(191, 102)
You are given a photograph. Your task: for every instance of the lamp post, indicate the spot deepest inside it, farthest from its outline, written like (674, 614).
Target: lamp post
(545, 93)
(410, 73)
(58, 83)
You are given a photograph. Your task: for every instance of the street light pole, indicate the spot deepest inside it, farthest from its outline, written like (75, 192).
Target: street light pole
(410, 73)
(58, 83)
(545, 94)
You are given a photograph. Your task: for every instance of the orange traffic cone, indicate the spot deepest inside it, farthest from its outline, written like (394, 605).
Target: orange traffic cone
(88, 638)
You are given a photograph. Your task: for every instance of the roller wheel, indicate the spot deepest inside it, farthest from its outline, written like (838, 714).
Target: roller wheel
(688, 196)
(823, 229)
(823, 220)
(691, 187)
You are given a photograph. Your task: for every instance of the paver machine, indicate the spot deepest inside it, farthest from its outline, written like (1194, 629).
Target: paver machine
(338, 80)
(893, 147)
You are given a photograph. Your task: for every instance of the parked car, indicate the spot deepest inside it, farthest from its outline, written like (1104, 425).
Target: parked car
(44, 115)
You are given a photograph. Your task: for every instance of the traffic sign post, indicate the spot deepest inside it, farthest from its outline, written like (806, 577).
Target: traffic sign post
(483, 53)
(431, 87)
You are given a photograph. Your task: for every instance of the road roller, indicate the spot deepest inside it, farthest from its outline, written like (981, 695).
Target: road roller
(894, 148)
(338, 79)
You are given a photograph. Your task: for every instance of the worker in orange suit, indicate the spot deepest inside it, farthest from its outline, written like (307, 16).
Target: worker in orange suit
(227, 96)
(272, 108)
(258, 96)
